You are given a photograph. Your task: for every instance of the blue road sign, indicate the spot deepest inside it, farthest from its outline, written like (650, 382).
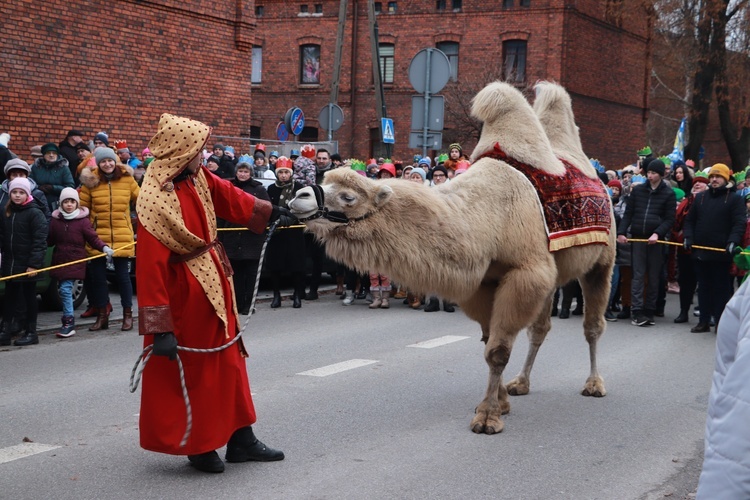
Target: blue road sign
(297, 121)
(282, 133)
(386, 126)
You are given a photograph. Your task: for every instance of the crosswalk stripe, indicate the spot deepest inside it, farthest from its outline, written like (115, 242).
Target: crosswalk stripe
(324, 371)
(429, 344)
(23, 450)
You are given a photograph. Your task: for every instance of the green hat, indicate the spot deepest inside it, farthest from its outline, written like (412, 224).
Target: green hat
(679, 194)
(644, 152)
(442, 158)
(701, 173)
(665, 160)
(358, 164)
(739, 177)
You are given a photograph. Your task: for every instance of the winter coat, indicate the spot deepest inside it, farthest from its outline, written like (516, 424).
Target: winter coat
(24, 240)
(38, 196)
(71, 154)
(5, 156)
(56, 174)
(304, 171)
(285, 253)
(649, 211)
(726, 465)
(624, 250)
(109, 204)
(227, 167)
(243, 244)
(716, 218)
(69, 237)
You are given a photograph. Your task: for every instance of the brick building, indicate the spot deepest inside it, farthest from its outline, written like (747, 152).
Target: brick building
(116, 66)
(597, 49)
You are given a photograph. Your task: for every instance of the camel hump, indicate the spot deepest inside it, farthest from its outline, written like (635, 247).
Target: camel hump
(554, 108)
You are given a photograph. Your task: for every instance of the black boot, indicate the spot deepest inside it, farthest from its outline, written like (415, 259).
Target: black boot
(682, 318)
(448, 307)
(625, 313)
(433, 305)
(276, 302)
(243, 446)
(5, 336)
(30, 337)
(296, 301)
(564, 313)
(207, 462)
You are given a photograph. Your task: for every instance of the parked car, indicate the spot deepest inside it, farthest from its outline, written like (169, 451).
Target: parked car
(47, 288)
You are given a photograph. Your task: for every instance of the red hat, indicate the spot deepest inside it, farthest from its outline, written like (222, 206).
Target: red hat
(121, 144)
(698, 179)
(308, 151)
(614, 183)
(388, 167)
(283, 163)
(260, 147)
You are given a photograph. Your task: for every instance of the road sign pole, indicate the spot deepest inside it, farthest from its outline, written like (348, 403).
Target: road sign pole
(426, 125)
(330, 121)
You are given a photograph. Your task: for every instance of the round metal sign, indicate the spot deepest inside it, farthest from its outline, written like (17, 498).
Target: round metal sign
(282, 133)
(439, 70)
(336, 117)
(294, 121)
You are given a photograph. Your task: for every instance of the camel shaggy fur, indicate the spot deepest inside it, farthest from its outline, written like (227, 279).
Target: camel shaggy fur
(479, 240)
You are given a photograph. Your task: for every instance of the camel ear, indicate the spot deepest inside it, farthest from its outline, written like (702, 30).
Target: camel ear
(383, 195)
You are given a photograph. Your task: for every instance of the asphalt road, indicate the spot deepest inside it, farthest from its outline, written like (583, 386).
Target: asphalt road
(395, 426)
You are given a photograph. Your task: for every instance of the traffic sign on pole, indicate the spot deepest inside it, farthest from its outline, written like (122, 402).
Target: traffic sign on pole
(333, 119)
(434, 114)
(294, 119)
(282, 133)
(386, 127)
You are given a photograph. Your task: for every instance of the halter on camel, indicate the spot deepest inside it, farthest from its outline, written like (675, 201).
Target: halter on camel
(323, 212)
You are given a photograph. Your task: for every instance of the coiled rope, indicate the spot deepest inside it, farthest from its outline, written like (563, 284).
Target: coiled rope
(135, 374)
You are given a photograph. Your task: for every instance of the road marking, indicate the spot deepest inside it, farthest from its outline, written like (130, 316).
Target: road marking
(338, 367)
(23, 450)
(429, 344)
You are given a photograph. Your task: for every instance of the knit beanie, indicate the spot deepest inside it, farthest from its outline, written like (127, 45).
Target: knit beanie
(21, 183)
(700, 178)
(721, 170)
(215, 159)
(102, 137)
(102, 153)
(420, 171)
(18, 164)
(457, 146)
(440, 168)
(615, 183)
(425, 161)
(656, 165)
(69, 193)
(50, 146)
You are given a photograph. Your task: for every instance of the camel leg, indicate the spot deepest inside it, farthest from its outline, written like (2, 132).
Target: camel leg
(536, 333)
(519, 297)
(595, 285)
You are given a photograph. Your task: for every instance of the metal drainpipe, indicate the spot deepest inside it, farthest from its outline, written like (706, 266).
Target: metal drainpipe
(352, 80)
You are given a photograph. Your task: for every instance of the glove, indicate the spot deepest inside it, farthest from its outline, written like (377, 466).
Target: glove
(165, 344)
(46, 188)
(110, 253)
(283, 215)
(732, 248)
(687, 244)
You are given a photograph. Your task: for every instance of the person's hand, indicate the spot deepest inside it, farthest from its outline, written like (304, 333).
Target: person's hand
(732, 248)
(687, 244)
(622, 239)
(31, 271)
(46, 188)
(108, 251)
(283, 215)
(653, 239)
(165, 344)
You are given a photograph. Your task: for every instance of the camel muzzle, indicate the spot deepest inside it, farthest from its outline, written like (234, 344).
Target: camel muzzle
(323, 212)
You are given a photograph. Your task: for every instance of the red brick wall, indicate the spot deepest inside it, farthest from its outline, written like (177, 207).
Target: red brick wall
(564, 45)
(116, 66)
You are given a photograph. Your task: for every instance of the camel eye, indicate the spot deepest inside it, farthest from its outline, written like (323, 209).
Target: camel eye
(347, 198)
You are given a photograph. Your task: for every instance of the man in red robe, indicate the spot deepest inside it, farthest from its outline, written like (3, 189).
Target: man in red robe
(186, 298)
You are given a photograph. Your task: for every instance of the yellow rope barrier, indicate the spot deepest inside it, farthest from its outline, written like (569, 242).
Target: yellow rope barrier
(698, 247)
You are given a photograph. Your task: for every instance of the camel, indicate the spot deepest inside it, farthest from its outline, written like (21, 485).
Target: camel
(481, 239)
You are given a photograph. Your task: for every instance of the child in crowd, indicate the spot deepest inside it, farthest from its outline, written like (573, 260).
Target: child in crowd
(380, 284)
(69, 231)
(23, 233)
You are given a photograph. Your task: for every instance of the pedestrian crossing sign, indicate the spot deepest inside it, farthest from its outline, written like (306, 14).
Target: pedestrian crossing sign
(387, 130)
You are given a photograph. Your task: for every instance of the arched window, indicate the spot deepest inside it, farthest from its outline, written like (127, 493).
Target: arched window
(309, 59)
(450, 49)
(514, 61)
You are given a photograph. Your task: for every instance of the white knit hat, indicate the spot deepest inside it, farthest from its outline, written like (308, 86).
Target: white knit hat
(69, 193)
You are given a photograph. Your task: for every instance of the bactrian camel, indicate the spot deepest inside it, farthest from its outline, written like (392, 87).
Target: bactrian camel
(480, 240)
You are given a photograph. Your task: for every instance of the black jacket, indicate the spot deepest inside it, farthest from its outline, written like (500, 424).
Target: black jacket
(70, 153)
(649, 211)
(24, 239)
(716, 218)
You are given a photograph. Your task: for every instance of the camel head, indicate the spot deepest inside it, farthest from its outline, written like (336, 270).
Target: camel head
(343, 198)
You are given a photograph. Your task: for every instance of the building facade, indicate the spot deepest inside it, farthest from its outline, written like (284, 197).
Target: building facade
(598, 50)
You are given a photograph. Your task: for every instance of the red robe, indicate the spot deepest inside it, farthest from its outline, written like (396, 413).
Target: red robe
(171, 299)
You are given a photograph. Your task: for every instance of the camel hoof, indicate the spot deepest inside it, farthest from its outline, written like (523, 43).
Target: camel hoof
(594, 388)
(517, 387)
(483, 424)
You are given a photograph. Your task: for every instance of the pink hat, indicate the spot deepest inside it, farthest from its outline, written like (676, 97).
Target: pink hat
(21, 183)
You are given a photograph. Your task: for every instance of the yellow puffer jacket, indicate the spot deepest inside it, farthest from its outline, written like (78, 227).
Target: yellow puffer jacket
(109, 203)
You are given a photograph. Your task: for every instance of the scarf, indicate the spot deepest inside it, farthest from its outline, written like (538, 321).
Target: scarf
(287, 192)
(177, 142)
(72, 215)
